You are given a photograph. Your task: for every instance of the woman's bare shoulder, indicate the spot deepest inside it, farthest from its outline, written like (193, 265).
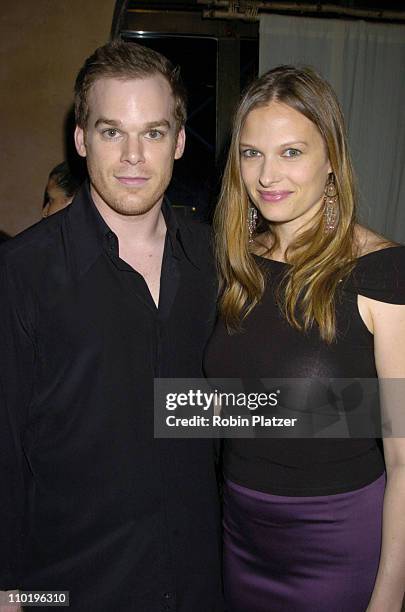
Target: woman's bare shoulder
(367, 241)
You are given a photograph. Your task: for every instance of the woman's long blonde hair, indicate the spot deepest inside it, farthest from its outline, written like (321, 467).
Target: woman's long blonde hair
(319, 260)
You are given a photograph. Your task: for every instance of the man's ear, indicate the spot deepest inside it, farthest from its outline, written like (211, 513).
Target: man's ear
(79, 141)
(181, 141)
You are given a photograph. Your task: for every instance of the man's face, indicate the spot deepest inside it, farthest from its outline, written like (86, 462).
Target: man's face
(130, 142)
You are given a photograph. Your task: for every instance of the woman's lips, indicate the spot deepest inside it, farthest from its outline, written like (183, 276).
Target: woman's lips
(274, 196)
(132, 181)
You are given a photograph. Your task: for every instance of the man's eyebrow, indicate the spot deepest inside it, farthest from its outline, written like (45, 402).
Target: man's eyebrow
(160, 123)
(147, 126)
(106, 121)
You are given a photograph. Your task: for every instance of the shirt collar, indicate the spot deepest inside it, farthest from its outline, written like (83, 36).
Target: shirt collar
(89, 231)
(180, 237)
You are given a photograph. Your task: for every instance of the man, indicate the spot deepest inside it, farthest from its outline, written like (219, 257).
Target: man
(97, 300)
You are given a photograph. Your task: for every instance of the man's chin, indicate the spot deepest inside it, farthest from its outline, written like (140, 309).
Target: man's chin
(130, 207)
(124, 201)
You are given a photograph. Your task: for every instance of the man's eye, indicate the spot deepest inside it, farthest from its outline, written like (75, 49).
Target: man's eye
(154, 134)
(250, 153)
(292, 153)
(111, 133)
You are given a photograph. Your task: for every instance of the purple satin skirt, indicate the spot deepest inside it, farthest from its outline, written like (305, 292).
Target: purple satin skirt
(301, 554)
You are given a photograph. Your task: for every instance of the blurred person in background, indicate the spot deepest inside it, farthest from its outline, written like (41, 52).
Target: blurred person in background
(60, 190)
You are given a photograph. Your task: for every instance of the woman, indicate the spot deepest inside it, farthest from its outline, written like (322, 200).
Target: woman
(315, 295)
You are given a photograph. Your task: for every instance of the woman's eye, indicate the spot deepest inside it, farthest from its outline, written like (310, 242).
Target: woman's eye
(250, 153)
(292, 153)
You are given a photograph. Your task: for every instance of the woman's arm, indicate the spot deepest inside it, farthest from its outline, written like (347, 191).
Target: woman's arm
(388, 326)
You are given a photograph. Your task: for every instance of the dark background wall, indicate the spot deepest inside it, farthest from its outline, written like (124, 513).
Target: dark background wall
(42, 46)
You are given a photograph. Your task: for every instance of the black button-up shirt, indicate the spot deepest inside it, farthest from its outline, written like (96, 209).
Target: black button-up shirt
(91, 502)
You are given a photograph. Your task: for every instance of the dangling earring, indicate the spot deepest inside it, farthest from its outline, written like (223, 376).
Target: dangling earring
(252, 220)
(330, 199)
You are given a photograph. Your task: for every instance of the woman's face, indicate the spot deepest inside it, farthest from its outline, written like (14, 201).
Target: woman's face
(284, 165)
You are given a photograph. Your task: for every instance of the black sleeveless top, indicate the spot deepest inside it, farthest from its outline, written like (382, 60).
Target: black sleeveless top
(270, 348)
